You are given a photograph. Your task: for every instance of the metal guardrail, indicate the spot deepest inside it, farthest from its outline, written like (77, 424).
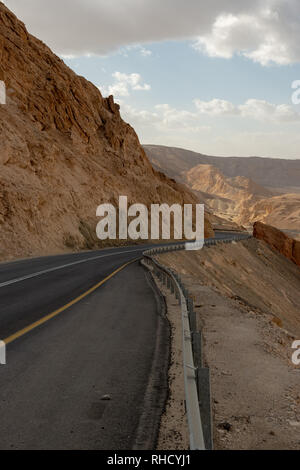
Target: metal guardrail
(197, 396)
(190, 378)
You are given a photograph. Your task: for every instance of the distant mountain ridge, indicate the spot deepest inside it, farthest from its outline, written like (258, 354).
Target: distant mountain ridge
(272, 172)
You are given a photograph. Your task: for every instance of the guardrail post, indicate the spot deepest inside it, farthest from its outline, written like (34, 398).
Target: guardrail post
(190, 304)
(204, 395)
(193, 322)
(197, 348)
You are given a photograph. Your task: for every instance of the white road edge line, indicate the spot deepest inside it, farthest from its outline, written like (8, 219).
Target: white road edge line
(2, 353)
(40, 273)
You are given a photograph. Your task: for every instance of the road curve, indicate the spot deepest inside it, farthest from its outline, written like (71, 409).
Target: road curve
(103, 341)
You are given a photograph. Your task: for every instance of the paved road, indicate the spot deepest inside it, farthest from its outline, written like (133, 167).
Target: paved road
(106, 343)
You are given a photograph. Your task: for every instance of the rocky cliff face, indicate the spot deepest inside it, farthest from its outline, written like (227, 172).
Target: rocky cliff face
(64, 149)
(279, 241)
(210, 179)
(227, 197)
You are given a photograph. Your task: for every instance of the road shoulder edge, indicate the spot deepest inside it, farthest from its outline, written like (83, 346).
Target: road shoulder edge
(157, 390)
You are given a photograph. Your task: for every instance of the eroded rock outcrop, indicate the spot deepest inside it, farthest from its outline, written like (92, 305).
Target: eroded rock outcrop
(278, 240)
(64, 149)
(242, 190)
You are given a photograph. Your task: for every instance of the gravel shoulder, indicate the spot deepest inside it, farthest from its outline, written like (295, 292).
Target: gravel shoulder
(173, 433)
(247, 303)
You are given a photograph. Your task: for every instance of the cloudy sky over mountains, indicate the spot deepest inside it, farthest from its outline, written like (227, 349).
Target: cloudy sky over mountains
(212, 76)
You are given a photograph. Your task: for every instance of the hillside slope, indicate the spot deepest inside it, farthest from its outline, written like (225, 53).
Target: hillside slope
(64, 149)
(246, 299)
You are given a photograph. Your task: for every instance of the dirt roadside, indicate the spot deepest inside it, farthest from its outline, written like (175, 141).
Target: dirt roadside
(248, 305)
(173, 433)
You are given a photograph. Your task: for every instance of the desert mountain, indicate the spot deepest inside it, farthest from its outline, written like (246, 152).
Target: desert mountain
(210, 179)
(242, 190)
(64, 150)
(272, 172)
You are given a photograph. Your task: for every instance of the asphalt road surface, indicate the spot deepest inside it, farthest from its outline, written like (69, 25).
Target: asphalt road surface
(78, 328)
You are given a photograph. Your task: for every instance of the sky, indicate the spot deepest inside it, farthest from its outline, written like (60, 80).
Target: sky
(217, 77)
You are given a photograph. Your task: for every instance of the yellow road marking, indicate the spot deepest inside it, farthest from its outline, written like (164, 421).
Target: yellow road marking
(43, 320)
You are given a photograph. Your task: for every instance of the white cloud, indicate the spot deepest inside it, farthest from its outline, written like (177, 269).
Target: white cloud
(215, 107)
(134, 115)
(166, 125)
(141, 50)
(228, 33)
(268, 35)
(68, 56)
(252, 108)
(145, 52)
(124, 84)
(179, 119)
(262, 110)
(265, 31)
(164, 119)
